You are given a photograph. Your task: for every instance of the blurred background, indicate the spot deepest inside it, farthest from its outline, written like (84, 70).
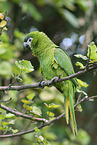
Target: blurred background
(70, 24)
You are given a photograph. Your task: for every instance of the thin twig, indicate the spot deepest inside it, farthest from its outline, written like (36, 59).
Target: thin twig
(51, 82)
(19, 114)
(41, 126)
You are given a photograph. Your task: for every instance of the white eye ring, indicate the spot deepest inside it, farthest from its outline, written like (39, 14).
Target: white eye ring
(30, 39)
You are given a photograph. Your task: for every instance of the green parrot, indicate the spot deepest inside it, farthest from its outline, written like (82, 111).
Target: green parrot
(54, 62)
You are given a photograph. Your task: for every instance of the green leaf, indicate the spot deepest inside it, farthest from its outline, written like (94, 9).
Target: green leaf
(92, 52)
(83, 137)
(36, 129)
(51, 106)
(24, 66)
(25, 101)
(29, 7)
(36, 110)
(39, 138)
(14, 131)
(2, 116)
(79, 108)
(82, 83)
(81, 56)
(70, 17)
(5, 123)
(9, 115)
(80, 64)
(12, 122)
(51, 114)
(5, 68)
(31, 96)
(1, 128)
(28, 108)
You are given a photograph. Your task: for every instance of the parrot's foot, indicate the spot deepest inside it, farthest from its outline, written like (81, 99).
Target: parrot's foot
(53, 80)
(42, 84)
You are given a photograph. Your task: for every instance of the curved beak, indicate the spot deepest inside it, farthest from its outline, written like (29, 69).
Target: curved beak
(26, 46)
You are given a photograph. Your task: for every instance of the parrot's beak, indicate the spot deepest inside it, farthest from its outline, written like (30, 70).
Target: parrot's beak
(26, 46)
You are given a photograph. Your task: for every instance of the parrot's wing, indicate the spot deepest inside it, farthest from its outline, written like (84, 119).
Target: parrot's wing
(64, 62)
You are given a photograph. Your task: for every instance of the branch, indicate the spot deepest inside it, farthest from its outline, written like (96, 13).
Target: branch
(44, 124)
(22, 115)
(51, 82)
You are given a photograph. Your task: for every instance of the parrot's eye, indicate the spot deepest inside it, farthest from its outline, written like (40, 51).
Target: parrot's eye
(30, 39)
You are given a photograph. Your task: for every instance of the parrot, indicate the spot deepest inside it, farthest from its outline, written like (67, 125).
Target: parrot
(54, 62)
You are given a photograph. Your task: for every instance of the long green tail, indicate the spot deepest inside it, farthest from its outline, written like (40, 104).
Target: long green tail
(69, 93)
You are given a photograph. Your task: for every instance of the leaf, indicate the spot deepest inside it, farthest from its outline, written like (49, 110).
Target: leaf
(25, 101)
(51, 106)
(81, 56)
(92, 52)
(36, 129)
(24, 66)
(70, 17)
(30, 8)
(5, 68)
(36, 110)
(5, 123)
(31, 96)
(12, 122)
(39, 138)
(82, 83)
(14, 131)
(80, 64)
(1, 128)
(9, 115)
(83, 137)
(1, 16)
(79, 108)
(28, 108)
(3, 23)
(51, 114)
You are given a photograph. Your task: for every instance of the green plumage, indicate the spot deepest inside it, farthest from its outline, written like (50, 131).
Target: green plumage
(54, 62)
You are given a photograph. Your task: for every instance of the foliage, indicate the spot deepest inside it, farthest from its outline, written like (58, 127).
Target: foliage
(42, 105)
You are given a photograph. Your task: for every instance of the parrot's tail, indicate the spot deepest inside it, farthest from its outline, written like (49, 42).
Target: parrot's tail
(69, 92)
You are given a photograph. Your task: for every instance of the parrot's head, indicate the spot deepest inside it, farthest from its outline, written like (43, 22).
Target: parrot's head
(37, 42)
(27, 42)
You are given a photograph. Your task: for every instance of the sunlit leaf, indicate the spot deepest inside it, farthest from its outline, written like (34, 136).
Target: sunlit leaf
(12, 122)
(51, 114)
(24, 66)
(1, 128)
(51, 106)
(3, 23)
(2, 116)
(28, 108)
(80, 65)
(1, 16)
(36, 110)
(92, 52)
(36, 129)
(81, 56)
(82, 83)
(25, 101)
(31, 96)
(14, 131)
(9, 115)
(39, 138)
(5, 123)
